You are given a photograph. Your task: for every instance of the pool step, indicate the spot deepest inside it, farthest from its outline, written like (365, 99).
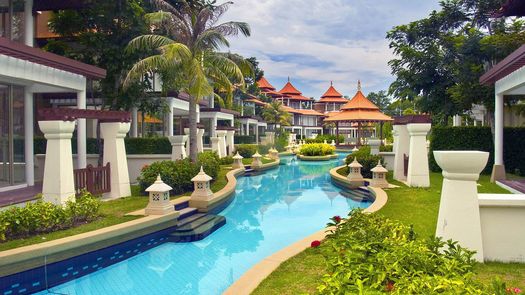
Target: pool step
(187, 212)
(359, 194)
(182, 205)
(251, 172)
(199, 227)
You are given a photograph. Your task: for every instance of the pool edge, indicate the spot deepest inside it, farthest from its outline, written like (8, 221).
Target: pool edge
(251, 279)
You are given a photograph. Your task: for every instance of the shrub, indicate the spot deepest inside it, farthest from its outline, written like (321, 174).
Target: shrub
(244, 139)
(228, 160)
(246, 150)
(371, 254)
(317, 149)
(366, 159)
(178, 174)
(386, 148)
(460, 138)
(43, 217)
(322, 137)
(281, 141)
(148, 145)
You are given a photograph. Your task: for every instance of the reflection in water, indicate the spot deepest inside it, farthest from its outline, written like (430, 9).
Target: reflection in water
(269, 212)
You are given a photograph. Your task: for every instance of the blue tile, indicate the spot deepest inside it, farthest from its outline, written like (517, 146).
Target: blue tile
(15, 286)
(95, 266)
(35, 284)
(70, 268)
(100, 258)
(65, 274)
(85, 267)
(8, 292)
(22, 290)
(75, 273)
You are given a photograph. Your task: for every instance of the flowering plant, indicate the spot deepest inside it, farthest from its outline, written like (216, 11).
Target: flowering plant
(315, 244)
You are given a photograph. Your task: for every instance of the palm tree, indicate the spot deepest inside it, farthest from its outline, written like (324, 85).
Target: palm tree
(274, 113)
(194, 56)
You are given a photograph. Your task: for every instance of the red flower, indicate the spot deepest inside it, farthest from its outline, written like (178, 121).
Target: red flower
(315, 244)
(517, 291)
(337, 218)
(389, 286)
(145, 167)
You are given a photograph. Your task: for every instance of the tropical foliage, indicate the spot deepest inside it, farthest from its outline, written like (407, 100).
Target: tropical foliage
(439, 59)
(366, 159)
(316, 149)
(184, 51)
(275, 114)
(369, 254)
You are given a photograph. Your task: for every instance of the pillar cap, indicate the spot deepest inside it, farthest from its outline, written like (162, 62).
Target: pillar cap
(355, 164)
(256, 155)
(379, 168)
(355, 149)
(201, 177)
(238, 156)
(159, 186)
(461, 165)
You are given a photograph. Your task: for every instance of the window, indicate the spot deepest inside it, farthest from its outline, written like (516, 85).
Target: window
(12, 23)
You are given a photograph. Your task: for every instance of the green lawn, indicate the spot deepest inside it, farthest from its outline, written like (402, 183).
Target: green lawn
(416, 206)
(248, 161)
(113, 212)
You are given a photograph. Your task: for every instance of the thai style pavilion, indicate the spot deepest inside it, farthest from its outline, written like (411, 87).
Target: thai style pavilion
(331, 101)
(361, 111)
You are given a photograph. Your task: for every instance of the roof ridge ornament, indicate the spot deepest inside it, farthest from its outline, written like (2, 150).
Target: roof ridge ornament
(358, 85)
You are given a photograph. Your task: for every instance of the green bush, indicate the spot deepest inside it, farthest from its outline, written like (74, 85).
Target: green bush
(43, 217)
(317, 149)
(514, 157)
(370, 254)
(246, 150)
(366, 159)
(148, 145)
(461, 138)
(244, 139)
(386, 148)
(228, 160)
(178, 174)
(322, 137)
(281, 141)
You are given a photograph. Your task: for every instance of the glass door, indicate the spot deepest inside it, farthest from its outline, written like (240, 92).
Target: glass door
(12, 161)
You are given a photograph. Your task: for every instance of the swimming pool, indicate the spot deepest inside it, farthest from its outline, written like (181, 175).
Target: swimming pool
(269, 212)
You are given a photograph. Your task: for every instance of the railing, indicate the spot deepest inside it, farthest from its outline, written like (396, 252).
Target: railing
(96, 180)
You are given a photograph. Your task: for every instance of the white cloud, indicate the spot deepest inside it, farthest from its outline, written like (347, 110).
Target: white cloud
(316, 41)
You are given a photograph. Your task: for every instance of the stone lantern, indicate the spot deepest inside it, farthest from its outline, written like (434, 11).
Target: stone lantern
(379, 176)
(354, 173)
(274, 154)
(325, 142)
(256, 163)
(289, 149)
(159, 198)
(201, 183)
(355, 149)
(237, 162)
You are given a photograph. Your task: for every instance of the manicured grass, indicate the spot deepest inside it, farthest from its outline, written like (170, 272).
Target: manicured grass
(248, 161)
(113, 212)
(417, 206)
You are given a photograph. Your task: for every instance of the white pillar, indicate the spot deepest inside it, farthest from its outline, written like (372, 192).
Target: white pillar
(374, 146)
(178, 151)
(170, 117)
(81, 132)
(213, 126)
(58, 183)
(230, 142)
(247, 128)
(200, 143)
(418, 173)
(115, 153)
(498, 171)
(29, 136)
(29, 23)
(456, 121)
(215, 145)
(256, 134)
(134, 122)
(221, 134)
(401, 148)
(459, 217)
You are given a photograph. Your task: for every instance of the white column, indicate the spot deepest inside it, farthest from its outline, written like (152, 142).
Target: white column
(81, 132)
(374, 146)
(401, 148)
(418, 173)
(247, 128)
(29, 136)
(459, 217)
(498, 171)
(230, 142)
(134, 122)
(221, 134)
(58, 184)
(200, 143)
(215, 145)
(177, 147)
(29, 23)
(170, 116)
(256, 134)
(115, 153)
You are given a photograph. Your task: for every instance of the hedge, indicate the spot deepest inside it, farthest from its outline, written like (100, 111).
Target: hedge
(366, 159)
(317, 149)
(461, 138)
(514, 157)
(244, 139)
(134, 146)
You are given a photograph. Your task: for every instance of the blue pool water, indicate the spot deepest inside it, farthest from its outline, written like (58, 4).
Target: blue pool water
(269, 212)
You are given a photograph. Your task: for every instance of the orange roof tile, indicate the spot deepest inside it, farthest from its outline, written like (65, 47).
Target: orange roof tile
(265, 85)
(360, 102)
(290, 89)
(359, 116)
(309, 112)
(332, 95)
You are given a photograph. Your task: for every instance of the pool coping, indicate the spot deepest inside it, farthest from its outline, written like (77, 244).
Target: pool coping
(317, 158)
(251, 279)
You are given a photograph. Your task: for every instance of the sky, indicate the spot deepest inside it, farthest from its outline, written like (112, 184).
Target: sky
(317, 41)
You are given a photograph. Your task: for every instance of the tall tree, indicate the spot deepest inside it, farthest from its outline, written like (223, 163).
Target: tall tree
(440, 58)
(275, 114)
(380, 99)
(194, 56)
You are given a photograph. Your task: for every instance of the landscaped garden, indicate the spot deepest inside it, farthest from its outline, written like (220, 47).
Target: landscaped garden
(413, 214)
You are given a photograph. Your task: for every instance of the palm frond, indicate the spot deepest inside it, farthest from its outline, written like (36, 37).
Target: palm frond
(218, 12)
(148, 42)
(176, 51)
(211, 39)
(245, 66)
(149, 64)
(233, 29)
(225, 65)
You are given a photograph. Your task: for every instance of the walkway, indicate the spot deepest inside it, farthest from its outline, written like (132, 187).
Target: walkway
(18, 196)
(517, 185)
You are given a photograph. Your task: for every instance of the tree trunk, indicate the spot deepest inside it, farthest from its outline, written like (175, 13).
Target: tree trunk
(193, 129)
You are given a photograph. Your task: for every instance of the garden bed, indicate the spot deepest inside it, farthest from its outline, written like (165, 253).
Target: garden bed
(317, 158)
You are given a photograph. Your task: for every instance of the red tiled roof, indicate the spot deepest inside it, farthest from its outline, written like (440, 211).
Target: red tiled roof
(265, 85)
(255, 101)
(290, 89)
(359, 101)
(359, 115)
(332, 95)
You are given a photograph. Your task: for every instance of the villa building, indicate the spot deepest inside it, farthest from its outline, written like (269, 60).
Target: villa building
(26, 75)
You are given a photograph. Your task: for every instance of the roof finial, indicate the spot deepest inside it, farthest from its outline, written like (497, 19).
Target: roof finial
(331, 83)
(288, 78)
(358, 85)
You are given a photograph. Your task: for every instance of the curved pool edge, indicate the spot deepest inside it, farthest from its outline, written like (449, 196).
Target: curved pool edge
(251, 279)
